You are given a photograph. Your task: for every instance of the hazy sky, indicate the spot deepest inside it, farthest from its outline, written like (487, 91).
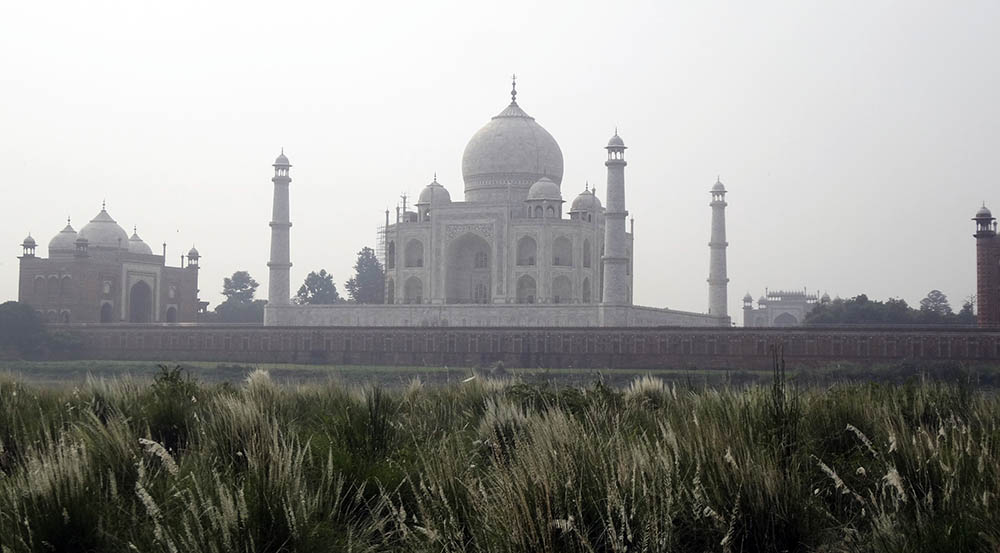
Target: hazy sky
(856, 138)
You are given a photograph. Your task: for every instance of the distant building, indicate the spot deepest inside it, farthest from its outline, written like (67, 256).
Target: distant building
(101, 275)
(508, 254)
(780, 308)
(987, 268)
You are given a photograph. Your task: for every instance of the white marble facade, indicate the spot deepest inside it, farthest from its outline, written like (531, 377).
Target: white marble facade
(512, 253)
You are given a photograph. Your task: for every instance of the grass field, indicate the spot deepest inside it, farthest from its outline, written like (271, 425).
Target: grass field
(177, 464)
(75, 373)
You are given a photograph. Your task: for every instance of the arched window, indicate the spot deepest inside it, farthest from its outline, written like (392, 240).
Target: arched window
(526, 289)
(106, 312)
(586, 253)
(480, 295)
(39, 287)
(526, 251)
(562, 252)
(390, 291)
(480, 260)
(538, 212)
(551, 211)
(562, 289)
(586, 290)
(171, 314)
(65, 287)
(390, 255)
(414, 256)
(413, 290)
(53, 286)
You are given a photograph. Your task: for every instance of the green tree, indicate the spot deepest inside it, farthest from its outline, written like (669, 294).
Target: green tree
(318, 289)
(21, 328)
(240, 306)
(368, 283)
(240, 288)
(936, 302)
(967, 315)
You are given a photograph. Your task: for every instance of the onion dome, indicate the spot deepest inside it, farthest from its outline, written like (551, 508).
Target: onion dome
(544, 189)
(747, 298)
(586, 201)
(64, 242)
(718, 187)
(762, 300)
(434, 194)
(29, 242)
(103, 232)
(616, 141)
(282, 160)
(193, 253)
(136, 245)
(512, 150)
(983, 213)
(825, 298)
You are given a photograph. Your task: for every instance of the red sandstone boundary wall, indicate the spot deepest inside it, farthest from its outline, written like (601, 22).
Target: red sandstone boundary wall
(636, 348)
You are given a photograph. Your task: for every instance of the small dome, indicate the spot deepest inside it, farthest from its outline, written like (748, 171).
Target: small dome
(616, 141)
(825, 298)
(747, 298)
(434, 194)
(983, 213)
(136, 245)
(64, 242)
(193, 253)
(586, 201)
(29, 242)
(762, 300)
(282, 160)
(718, 187)
(103, 232)
(544, 189)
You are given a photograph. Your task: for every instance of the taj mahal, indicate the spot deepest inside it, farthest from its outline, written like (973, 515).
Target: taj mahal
(509, 253)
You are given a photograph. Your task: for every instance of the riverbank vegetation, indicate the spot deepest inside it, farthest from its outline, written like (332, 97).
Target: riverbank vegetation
(497, 465)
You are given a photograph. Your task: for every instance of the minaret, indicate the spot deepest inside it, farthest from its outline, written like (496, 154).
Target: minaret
(717, 279)
(615, 259)
(987, 269)
(278, 292)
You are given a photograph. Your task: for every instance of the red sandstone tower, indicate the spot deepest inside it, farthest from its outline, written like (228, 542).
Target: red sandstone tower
(987, 269)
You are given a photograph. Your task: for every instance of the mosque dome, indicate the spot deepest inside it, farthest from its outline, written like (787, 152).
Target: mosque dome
(136, 245)
(29, 242)
(983, 213)
(103, 232)
(282, 160)
(718, 187)
(616, 141)
(193, 253)
(825, 298)
(511, 150)
(544, 189)
(434, 194)
(747, 298)
(586, 201)
(762, 300)
(64, 242)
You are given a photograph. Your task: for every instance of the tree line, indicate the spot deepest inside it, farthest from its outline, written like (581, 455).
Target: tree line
(241, 306)
(934, 310)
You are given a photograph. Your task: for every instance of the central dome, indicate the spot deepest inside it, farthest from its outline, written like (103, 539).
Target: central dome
(513, 151)
(103, 232)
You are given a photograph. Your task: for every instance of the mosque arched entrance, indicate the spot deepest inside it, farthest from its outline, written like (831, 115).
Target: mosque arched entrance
(785, 319)
(467, 270)
(106, 313)
(140, 303)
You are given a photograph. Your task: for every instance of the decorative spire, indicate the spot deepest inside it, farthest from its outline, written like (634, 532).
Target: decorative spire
(67, 217)
(104, 204)
(586, 187)
(435, 176)
(513, 88)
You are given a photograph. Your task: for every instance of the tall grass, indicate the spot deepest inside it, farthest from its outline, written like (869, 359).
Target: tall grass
(496, 466)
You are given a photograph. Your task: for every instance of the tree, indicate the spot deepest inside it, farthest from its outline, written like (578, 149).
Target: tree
(21, 328)
(240, 307)
(318, 289)
(240, 287)
(935, 308)
(967, 315)
(368, 283)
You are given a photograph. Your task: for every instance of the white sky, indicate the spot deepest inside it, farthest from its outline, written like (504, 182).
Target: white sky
(856, 138)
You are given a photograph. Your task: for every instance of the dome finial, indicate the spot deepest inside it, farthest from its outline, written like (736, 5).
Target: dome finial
(104, 205)
(513, 88)
(586, 186)
(435, 176)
